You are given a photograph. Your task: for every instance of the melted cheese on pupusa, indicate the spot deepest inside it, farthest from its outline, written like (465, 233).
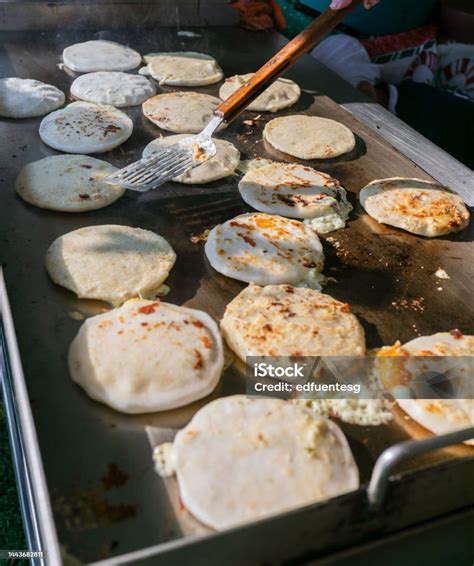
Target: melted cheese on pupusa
(418, 206)
(297, 191)
(364, 412)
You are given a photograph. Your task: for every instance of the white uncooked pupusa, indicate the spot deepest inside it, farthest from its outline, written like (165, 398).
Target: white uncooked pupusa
(113, 87)
(242, 459)
(100, 55)
(27, 98)
(147, 356)
(110, 263)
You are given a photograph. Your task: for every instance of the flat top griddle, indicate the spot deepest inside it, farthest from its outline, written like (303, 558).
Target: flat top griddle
(106, 497)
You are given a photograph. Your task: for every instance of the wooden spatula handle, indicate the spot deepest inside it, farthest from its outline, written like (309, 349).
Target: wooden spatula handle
(279, 63)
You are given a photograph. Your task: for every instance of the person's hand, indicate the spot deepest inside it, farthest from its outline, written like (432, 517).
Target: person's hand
(340, 4)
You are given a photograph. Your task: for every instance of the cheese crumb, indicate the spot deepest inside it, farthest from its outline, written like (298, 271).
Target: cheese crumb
(246, 165)
(164, 459)
(441, 274)
(162, 291)
(76, 315)
(363, 412)
(315, 280)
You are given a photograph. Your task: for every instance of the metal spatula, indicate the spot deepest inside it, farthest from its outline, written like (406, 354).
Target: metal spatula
(151, 172)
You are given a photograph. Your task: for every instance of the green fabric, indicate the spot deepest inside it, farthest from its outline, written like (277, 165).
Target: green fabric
(11, 529)
(387, 17)
(295, 20)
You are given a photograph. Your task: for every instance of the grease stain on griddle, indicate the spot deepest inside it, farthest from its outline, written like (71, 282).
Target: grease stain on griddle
(89, 509)
(115, 477)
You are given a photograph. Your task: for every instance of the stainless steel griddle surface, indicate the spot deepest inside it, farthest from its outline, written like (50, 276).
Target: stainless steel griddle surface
(107, 499)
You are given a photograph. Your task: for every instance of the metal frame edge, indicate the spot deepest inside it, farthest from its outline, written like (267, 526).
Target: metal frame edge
(35, 505)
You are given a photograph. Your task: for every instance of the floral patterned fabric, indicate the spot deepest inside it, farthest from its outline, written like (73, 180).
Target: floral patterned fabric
(415, 55)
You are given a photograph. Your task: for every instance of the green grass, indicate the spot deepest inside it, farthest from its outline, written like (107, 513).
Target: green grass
(11, 528)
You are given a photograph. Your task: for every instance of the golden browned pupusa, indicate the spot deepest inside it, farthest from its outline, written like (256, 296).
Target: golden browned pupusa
(309, 137)
(282, 320)
(182, 68)
(297, 191)
(281, 94)
(181, 112)
(421, 207)
(264, 249)
(439, 416)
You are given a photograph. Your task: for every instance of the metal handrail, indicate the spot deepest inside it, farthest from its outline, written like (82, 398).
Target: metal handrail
(392, 456)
